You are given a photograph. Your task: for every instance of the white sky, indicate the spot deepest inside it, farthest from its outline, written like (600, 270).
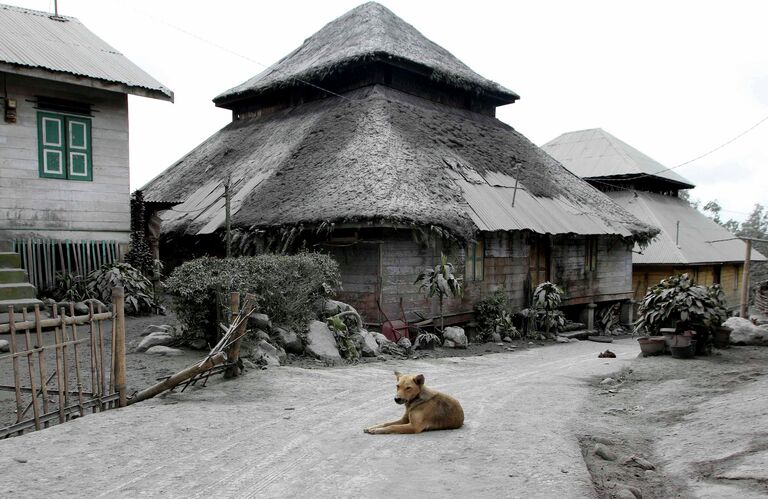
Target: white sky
(673, 79)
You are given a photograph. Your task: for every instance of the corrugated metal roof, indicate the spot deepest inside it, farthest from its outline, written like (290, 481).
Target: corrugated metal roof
(596, 153)
(490, 203)
(37, 40)
(696, 229)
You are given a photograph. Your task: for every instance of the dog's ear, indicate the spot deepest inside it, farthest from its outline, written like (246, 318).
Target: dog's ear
(419, 379)
(397, 374)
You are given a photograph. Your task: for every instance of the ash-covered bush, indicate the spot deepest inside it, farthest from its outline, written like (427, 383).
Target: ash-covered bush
(286, 287)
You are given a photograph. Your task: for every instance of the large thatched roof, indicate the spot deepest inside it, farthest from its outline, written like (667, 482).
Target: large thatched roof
(382, 156)
(366, 33)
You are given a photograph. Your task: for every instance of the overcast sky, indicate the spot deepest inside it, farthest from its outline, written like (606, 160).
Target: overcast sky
(673, 79)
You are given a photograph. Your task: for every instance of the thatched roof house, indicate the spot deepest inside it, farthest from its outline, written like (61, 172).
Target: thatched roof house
(688, 242)
(369, 128)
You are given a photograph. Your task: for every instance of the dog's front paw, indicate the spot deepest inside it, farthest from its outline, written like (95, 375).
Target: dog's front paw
(370, 431)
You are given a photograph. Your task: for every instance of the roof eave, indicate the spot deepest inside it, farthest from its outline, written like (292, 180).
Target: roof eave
(631, 176)
(160, 93)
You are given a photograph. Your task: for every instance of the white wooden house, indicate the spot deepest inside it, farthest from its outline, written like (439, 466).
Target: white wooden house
(64, 166)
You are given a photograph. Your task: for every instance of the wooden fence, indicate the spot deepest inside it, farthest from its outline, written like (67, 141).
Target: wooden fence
(58, 383)
(44, 258)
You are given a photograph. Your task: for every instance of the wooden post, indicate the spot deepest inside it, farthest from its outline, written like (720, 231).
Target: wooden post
(745, 281)
(41, 362)
(178, 378)
(233, 353)
(31, 369)
(65, 356)
(59, 375)
(227, 216)
(80, 399)
(118, 302)
(15, 362)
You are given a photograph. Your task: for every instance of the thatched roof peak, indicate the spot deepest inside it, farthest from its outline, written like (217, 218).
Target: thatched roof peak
(367, 33)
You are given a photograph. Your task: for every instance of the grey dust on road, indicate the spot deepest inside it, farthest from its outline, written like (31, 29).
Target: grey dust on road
(298, 432)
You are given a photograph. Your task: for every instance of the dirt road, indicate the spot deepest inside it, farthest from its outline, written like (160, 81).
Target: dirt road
(298, 432)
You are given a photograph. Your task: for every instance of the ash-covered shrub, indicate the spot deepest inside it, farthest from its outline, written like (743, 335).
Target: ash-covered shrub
(139, 295)
(286, 287)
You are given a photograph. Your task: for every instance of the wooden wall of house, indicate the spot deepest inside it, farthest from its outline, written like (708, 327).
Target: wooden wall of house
(46, 208)
(610, 280)
(645, 276)
(388, 268)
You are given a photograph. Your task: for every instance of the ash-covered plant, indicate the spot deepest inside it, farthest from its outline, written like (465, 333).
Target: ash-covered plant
(440, 281)
(494, 315)
(547, 298)
(426, 340)
(140, 256)
(286, 286)
(679, 298)
(342, 334)
(69, 286)
(139, 295)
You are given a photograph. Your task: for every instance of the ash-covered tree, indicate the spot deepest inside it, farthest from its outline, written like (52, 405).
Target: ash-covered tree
(756, 227)
(140, 255)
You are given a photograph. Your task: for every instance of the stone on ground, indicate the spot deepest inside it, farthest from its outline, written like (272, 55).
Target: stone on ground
(5, 346)
(367, 344)
(495, 337)
(261, 335)
(288, 340)
(164, 350)
(457, 336)
(154, 339)
(604, 452)
(260, 321)
(449, 344)
(381, 339)
(81, 308)
(562, 339)
(265, 354)
(157, 329)
(405, 343)
(333, 307)
(321, 343)
(639, 462)
(743, 332)
(198, 344)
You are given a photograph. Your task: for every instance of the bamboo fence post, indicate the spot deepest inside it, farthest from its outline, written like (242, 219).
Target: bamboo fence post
(118, 302)
(92, 343)
(31, 368)
(233, 353)
(59, 375)
(112, 356)
(102, 373)
(15, 362)
(77, 361)
(744, 305)
(41, 362)
(65, 355)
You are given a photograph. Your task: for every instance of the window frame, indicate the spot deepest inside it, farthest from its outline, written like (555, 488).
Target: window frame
(591, 250)
(474, 263)
(67, 147)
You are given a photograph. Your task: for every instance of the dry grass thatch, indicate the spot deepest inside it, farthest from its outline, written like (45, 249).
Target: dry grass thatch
(379, 156)
(366, 33)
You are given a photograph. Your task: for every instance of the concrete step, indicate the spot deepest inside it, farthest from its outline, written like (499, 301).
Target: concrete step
(6, 246)
(8, 276)
(10, 260)
(17, 291)
(18, 305)
(18, 316)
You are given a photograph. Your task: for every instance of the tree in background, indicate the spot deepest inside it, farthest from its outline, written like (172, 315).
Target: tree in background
(140, 255)
(756, 226)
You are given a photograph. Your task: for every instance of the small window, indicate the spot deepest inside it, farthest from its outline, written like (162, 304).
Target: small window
(590, 254)
(64, 146)
(473, 267)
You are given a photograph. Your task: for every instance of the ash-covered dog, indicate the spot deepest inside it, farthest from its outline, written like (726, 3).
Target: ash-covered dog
(425, 409)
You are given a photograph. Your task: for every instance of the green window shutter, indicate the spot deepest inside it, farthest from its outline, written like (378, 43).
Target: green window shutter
(51, 145)
(79, 152)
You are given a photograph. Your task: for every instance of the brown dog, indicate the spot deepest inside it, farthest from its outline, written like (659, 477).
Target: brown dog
(425, 409)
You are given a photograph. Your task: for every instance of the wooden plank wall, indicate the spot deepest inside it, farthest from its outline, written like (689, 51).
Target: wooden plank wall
(645, 276)
(34, 207)
(610, 281)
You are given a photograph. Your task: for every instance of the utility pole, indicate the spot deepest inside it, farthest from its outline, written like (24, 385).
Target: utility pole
(227, 215)
(745, 281)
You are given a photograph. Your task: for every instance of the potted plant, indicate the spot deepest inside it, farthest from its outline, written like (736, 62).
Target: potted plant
(721, 335)
(440, 281)
(691, 306)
